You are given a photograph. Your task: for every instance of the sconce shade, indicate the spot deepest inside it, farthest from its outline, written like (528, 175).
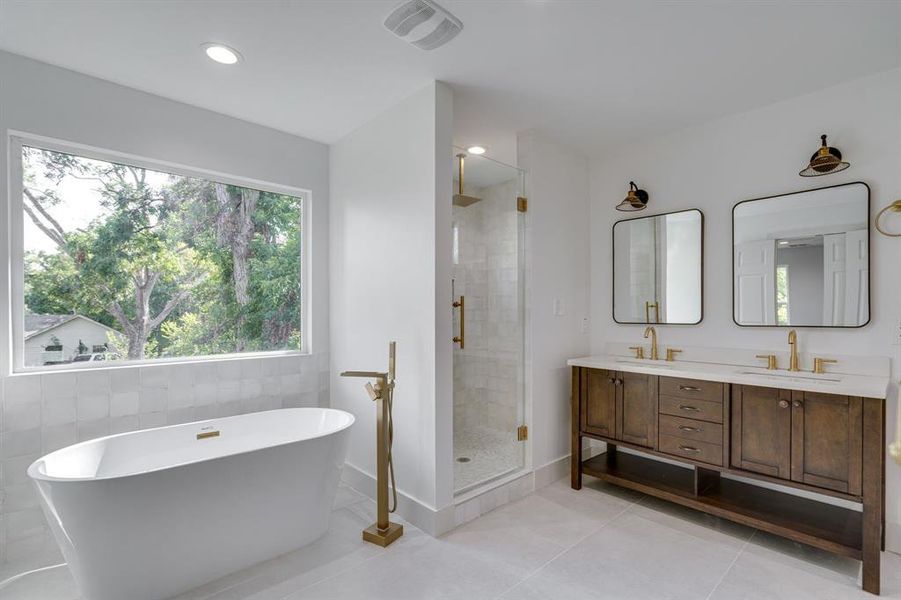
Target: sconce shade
(635, 199)
(824, 161)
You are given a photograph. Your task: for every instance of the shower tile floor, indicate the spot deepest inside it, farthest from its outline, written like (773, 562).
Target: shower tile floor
(491, 453)
(555, 544)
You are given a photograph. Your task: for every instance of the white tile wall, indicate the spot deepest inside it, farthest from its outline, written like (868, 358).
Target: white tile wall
(40, 413)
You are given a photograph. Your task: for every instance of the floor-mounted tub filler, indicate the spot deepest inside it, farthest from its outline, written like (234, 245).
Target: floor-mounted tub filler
(149, 514)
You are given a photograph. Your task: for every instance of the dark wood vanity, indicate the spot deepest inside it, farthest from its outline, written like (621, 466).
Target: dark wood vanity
(823, 443)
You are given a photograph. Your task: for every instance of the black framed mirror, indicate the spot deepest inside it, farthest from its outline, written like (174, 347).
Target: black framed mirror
(658, 269)
(802, 259)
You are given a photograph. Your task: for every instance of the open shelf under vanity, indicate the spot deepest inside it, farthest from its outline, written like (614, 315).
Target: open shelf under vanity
(825, 526)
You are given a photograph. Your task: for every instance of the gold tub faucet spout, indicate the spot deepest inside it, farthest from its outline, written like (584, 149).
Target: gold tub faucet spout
(653, 333)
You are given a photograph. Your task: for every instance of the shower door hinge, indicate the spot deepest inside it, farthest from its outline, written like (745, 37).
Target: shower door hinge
(522, 204)
(522, 433)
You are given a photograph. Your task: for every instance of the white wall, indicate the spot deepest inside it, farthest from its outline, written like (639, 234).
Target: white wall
(41, 413)
(752, 155)
(388, 253)
(557, 249)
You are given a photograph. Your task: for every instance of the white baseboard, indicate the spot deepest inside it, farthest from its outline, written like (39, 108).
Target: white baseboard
(414, 511)
(437, 522)
(893, 537)
(551, 472)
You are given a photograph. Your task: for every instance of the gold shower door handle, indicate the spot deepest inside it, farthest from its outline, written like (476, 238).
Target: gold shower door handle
(460, 339)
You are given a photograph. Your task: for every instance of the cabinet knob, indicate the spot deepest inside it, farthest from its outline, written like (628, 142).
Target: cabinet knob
(612, 380)
(796, 403)
(783, 404)
(619, 382)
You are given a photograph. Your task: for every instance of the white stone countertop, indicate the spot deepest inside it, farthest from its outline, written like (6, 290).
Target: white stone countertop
(867, 386)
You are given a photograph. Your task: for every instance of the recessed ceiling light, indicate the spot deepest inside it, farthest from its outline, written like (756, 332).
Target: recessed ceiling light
(222, 54)
(476, 150)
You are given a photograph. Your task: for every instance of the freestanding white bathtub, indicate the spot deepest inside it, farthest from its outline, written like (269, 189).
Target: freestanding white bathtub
(149, 514)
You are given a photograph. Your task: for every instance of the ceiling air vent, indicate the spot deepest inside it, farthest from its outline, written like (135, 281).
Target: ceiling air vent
(423, 23)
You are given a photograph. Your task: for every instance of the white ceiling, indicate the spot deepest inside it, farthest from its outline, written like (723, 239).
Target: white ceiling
(590, 74)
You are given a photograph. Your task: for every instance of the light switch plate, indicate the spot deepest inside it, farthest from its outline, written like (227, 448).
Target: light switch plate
(586, 325)
(896, 333)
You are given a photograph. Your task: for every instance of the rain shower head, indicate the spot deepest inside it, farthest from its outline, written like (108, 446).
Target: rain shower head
(461, 199)
(464, 200)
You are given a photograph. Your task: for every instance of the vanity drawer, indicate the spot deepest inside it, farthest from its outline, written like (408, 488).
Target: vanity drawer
(691, 429)
(703, 410)
(693, 449)
(691, 388)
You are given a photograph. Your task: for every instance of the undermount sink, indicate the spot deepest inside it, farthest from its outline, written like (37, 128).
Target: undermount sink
(790, 375)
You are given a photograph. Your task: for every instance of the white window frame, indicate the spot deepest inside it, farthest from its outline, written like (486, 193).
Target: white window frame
(16, 249)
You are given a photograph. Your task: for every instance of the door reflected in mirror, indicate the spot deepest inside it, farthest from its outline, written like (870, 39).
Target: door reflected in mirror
(657, 269)
(802, 259)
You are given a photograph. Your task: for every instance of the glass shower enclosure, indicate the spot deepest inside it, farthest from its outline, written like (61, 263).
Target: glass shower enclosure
(488, 320)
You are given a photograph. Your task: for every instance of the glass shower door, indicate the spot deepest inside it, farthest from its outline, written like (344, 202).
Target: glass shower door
(488, 309)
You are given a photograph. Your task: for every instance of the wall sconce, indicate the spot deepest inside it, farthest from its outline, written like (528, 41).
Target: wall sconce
(824, 161)
(636, 199)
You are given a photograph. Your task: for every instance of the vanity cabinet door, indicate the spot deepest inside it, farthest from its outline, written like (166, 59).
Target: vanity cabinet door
(636, 408)
(762, 430)
(599, 402)
(827, 441)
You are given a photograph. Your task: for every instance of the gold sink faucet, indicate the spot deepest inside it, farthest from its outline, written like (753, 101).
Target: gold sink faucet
(653, 333)
(793, 345)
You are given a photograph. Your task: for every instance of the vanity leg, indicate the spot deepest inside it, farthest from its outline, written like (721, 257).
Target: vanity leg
(705, 480)
(610, 454)
(873, 482)
(576, 438)
(882, 446)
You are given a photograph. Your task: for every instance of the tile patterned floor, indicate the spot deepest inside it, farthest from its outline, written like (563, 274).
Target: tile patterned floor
(491, 453)
(556, 544)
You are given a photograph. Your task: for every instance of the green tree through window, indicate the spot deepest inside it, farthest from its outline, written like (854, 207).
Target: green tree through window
(178, 266)
(782, 312)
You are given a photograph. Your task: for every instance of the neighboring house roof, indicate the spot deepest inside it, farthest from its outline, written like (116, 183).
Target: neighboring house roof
(38, 324)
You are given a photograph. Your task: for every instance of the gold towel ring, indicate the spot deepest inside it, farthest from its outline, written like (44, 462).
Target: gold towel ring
(893, 207)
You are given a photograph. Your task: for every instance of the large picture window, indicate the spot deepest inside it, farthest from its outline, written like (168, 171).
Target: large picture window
(121, 262)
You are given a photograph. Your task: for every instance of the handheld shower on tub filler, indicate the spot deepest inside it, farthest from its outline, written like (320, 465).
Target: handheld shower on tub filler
(383, 532)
